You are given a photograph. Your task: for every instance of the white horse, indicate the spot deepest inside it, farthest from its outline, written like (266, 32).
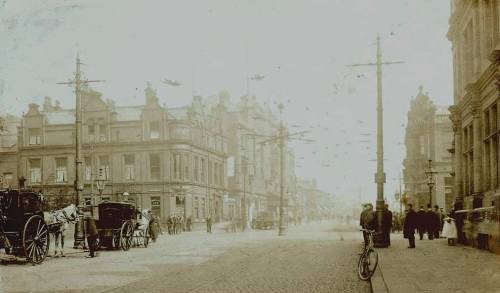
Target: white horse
(58, 222)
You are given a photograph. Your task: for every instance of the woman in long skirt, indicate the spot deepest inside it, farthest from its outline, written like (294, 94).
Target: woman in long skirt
(450, 230)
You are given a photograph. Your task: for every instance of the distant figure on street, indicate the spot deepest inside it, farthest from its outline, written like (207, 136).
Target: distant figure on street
(442, 216)
(387, 224)
(430, 222)
(409, 225)
(450, 231)
(421, 222)
(189, 224)
(209, 225)
(437, 222)
(92, 234)
(170, 224)
(153, 226)
(367, 220)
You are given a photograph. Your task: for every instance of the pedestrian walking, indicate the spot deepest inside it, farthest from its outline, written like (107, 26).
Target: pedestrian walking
(387, 224)
(189, 223)
(430, 222)
(409, 225)
(209, 225)
(92, 234)
(437, 222)
(421, 222)
(170, 224)
(153, 226)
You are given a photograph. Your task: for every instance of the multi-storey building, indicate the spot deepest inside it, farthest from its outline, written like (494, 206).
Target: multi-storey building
(428, 137)
(171, 160)
(315, 203)
(254, 179)
(475, 36)
(8, 151)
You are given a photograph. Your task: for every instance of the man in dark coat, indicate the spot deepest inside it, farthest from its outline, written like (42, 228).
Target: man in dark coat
(410, 223)
(92, 234)
(367, 220)
(387, 224)
(430, 222)
(421, 222)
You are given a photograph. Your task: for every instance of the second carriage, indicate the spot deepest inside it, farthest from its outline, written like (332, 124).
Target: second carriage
(120, 226)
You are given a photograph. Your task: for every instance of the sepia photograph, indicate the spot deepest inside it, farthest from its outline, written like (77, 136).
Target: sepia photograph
(250, 146)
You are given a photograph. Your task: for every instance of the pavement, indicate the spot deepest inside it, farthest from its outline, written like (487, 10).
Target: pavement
(433, 266)
(316, 257)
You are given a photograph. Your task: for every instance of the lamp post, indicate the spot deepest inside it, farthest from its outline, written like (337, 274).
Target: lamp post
(430, 180)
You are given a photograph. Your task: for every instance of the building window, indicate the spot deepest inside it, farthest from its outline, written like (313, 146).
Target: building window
(8, 179)
(129, 161)
(196, 208)
(210, 173)
(154, 166)
(91, 131)
(196, 169)
(156, 206)
(104, 172)
(185, 166)
(35, 171)
(88, 168)
(202, 208)
(203, 171)
(34, 136)
(177, 166)
(154, 130)
(61, 170)
(102, 132)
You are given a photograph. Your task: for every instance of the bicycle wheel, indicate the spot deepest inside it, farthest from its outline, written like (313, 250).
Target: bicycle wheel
(363, 267)
(372, 262)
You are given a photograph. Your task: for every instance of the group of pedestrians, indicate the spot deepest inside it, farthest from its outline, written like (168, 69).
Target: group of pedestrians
(175, 225)
(432, 222)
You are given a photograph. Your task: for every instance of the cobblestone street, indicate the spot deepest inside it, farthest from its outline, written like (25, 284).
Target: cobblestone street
(311, 258)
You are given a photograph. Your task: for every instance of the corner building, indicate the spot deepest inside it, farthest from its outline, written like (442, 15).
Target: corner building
(171, 160)
(475, 36)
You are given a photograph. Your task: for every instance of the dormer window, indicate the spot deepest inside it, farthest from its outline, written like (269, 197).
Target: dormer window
(34, 136)
(154, 130)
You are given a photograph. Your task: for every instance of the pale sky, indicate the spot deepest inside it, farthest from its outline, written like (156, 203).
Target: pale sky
(301, 47)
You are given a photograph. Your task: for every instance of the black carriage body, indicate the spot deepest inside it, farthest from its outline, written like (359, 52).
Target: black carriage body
(114, 223)
(17, 207)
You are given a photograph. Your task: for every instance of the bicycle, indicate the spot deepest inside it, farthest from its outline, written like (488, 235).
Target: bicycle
(368, 259)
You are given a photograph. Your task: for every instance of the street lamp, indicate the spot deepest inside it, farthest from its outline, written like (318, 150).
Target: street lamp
(430, 180)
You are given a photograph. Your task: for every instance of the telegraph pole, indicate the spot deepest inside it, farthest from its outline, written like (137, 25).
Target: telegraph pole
(281, 138)
(78, 82)
(380, 175)
(282, 227)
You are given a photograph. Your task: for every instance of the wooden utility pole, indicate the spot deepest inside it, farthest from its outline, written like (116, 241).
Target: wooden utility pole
(380, 175)
(78, 82)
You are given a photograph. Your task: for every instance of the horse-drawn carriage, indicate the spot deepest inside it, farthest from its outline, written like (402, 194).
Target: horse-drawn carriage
(121, 225)
(23, 231)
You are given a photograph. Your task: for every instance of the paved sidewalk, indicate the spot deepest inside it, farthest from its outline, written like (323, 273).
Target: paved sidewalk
(435, 267)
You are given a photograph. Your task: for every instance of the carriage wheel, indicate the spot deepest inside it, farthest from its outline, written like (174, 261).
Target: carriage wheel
(126, 235)
(146, 238)
(35, 240)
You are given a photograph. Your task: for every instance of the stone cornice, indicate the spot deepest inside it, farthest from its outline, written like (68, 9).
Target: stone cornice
(457, 17)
